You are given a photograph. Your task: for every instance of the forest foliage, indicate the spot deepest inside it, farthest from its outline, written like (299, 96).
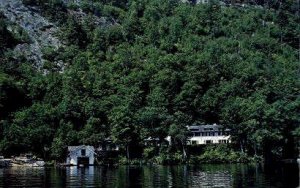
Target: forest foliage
(159, 66)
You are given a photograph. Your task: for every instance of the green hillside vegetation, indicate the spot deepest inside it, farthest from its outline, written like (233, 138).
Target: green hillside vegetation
(160, 66)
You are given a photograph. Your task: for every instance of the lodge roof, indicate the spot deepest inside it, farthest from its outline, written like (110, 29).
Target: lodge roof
(75, 148)
(206, 128)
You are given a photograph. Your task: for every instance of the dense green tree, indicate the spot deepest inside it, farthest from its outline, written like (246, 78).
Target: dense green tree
(150, 70)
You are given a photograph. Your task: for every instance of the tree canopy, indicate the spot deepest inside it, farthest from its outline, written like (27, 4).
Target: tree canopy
(159, 66)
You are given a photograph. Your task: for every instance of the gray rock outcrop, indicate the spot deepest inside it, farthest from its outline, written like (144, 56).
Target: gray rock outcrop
(39, 29)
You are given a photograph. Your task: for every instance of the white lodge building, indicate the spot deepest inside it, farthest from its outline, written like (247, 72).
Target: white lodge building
(208, 134)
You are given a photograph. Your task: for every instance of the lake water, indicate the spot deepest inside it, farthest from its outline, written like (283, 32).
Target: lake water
(153, 176)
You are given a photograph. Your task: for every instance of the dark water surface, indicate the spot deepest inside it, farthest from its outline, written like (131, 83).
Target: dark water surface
(153, 176)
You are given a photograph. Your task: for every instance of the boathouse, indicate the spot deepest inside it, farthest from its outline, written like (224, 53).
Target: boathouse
(81, 155)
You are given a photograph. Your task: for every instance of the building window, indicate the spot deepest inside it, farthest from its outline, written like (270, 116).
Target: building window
(197, 134)
(83, 152)
(208, 141)
(194, 142)
(222, 141)
(211, 134)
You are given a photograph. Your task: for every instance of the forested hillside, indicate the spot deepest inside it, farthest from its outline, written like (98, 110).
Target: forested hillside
(148, 68)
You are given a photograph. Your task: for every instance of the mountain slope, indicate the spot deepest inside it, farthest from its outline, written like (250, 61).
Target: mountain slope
(39, 29)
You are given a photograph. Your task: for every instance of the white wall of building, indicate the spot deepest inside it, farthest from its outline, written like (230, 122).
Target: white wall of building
(199, 140)
(72, 158)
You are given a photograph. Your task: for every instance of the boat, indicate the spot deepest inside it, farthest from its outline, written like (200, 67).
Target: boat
(27, 161)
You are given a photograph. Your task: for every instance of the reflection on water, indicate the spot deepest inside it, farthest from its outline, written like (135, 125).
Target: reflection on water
(14, 177)
(153, 176)
(78, 177)
(211, 179)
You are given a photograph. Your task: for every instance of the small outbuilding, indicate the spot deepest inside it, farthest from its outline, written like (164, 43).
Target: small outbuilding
(81, 155)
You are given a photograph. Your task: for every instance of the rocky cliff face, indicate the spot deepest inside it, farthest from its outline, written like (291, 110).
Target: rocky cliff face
(39, 29)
